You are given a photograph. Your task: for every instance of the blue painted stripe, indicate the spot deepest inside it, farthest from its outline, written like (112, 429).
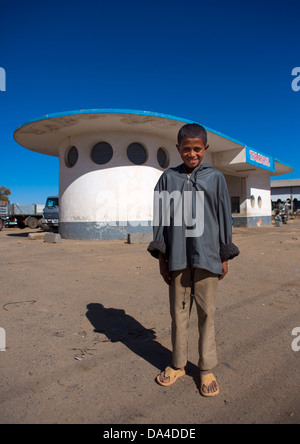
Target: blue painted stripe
(104, 111)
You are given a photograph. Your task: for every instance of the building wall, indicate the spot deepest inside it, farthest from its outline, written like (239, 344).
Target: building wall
(284, 193)
(259, 187)
(237, 188)
(255, 199)
(109, 200)
(256, 208)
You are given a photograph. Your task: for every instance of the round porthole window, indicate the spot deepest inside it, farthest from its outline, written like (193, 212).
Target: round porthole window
(252, 200)
(259, 201)
(162, 157)
(101, 153)
(71, 157)
(136, 153)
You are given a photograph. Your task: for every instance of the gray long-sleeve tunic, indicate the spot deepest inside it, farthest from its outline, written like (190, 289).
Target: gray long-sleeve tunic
(192, 219)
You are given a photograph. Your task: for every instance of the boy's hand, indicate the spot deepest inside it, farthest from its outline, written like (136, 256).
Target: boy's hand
(164, 269)
(224, 270)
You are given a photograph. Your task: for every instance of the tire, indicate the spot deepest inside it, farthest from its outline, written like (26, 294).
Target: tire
(32, 222)
(21, 224)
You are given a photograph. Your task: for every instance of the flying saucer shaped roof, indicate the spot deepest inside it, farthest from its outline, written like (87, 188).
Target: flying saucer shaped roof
(45, 133)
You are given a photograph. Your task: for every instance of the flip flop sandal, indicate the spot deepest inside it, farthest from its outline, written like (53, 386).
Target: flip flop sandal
(172, 374)
(206, 380)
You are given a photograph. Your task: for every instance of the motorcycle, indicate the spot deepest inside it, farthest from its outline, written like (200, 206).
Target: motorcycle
(282, 214)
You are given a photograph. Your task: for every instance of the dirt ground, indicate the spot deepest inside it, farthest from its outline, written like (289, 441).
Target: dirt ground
(88, 329)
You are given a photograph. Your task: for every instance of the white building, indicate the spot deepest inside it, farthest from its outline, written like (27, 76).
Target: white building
(110, 161)
(285, 189)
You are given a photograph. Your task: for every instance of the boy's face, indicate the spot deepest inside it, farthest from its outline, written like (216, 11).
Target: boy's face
(192, 152)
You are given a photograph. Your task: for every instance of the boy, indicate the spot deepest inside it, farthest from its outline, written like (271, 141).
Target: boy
(192, 238)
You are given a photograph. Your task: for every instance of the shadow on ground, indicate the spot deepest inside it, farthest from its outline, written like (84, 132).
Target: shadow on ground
(118, 326)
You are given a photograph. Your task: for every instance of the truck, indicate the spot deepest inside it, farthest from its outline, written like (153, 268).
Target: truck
(20, 215)
(3, 213)
(51, 213)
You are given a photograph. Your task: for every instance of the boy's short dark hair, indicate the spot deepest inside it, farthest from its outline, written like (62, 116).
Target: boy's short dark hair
(192, 130)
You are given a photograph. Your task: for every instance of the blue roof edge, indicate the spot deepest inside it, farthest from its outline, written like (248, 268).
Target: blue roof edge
(125, 111)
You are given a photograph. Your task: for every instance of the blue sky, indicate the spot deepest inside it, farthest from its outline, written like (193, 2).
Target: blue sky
(224, 64)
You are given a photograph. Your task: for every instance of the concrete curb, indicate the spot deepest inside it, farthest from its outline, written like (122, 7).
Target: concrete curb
(139, 238)
(35, 236)
(52, 238)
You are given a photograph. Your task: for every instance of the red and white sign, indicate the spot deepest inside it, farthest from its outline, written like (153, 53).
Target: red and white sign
(259, 158)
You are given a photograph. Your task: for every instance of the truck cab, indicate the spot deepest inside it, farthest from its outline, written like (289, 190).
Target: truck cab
(51, 213)
(3, 213)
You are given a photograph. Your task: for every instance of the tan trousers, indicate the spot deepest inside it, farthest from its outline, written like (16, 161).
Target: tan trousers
(203, 284)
